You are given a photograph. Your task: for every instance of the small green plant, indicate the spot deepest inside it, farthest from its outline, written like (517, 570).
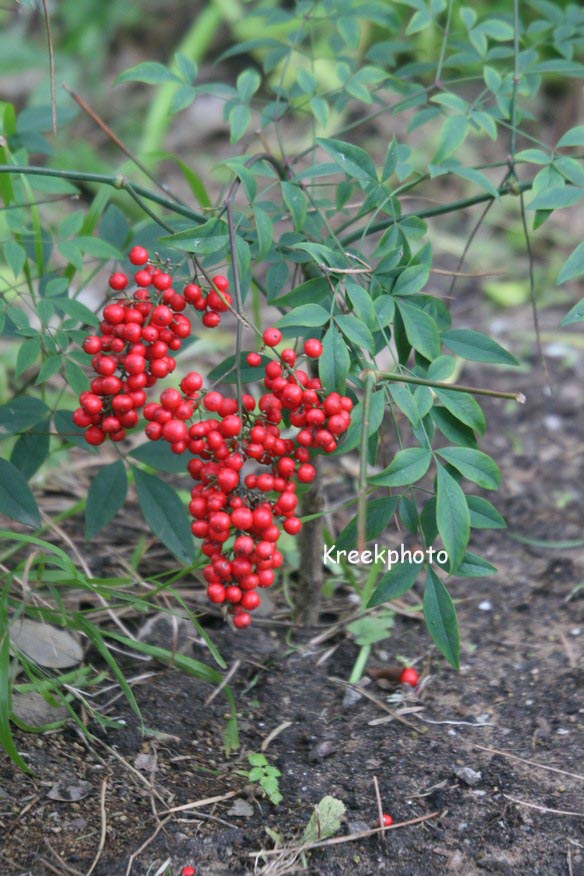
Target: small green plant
(266, 776)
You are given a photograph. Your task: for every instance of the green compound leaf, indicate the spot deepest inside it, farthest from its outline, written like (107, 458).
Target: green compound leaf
(107, 493)
(452, 516)
(440, 617)
(353, 160)
(165, 514)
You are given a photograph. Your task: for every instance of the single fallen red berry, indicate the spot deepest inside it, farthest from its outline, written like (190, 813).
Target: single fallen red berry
(386, 821)
(409, 676)
(188, 871)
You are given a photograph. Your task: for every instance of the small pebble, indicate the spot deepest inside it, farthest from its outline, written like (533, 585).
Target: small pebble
(485, 605)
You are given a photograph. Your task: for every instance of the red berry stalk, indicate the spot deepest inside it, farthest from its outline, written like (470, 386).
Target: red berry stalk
(246, 460)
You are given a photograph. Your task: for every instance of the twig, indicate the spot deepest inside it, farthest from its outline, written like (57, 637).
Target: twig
(116, 140)
(226, 679)
(144, 845)
(379, 804)
(338, 840)
(63, 866)
(379, 703)
(544, 808)
(534, 763)
(441, 384)
(363, 461)
(199, 803)
(51, 65)
(275, 732)
(58, 858)
(103, 834)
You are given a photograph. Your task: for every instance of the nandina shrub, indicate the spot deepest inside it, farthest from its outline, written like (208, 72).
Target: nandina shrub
(236, 514)
(317, 226)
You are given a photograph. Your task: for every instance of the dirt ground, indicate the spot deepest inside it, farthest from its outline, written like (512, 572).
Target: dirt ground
(490, 757)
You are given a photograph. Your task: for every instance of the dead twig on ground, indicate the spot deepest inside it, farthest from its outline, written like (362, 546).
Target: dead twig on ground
(103, 834)
(542, 766)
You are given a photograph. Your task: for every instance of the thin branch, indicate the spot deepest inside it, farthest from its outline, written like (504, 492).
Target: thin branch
(544, 808)
(116, 140)
(238, 304)
(103, 834)
(455, 387)
(363, 461)
(513, 189)
(51, 65)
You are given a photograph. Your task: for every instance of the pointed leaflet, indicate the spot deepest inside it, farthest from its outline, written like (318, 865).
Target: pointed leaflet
(107, 494)
(421, 330)
(20, 414)
(464, 407)
(31, 449)
(407, 467)
(165, 514)
(394, 583)
(576, 314)
(378, 515)
(440, 617)
(353, 160)
(483, 515)
(452, 516)
(474, 465)
(573, 266)
(335, 361)
(16, 499)
(477, 347)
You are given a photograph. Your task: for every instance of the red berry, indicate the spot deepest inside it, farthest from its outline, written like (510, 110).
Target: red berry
(92, 344)
(162, 281)
(253, 359)
(94, 435)
(313, 348)
(118, 281)
(211, 319)
(221, 283)
(272, 337)
(242, 620)
(188, 871)
(114, 313)
(386, 821)
(143, 278)
(138, 255)
(409, 676)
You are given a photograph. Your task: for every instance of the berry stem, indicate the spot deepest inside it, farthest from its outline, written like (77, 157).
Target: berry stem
(237, 290)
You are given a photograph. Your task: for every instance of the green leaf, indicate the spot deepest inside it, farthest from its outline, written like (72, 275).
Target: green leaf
(452, 429)
(16, 499)
(239, 119)
(464, 407)
(107, 493)
(474, 465)
(483, 515)
(295, 201)
(76, 310)
(573, 137)
(411, 280)
(6, 681)
(335, 362)
(32, 449)
(309, 316)
(378, 515)
(49, 368)
(477, 347)
(406, 402)
(407, 467)
(247, 84)
(206, 239)
(440, 617)
(395, 583)
(75, 377)
(452, 135)
(320, 110)
(573, 266)
(264, 230)
(15, 256)
(182, 98)
(421, 330)
(70, 432)
(165, 514)
(28, 353)
(159, 456)
(556, 197)
(20, 414)
(355, 330)
(352, 437)
(309, 292)
(353, 160)
(150, 72)
(473, 566)
(325, 820)
(576, 314)
(452, 516)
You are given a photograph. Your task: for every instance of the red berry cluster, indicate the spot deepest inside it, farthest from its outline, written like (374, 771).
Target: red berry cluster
(247, 455)
(211, 303)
